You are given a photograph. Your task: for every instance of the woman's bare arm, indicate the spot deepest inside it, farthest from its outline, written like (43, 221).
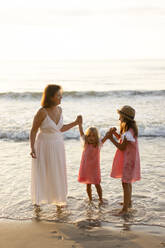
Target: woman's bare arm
(38, 118)
(70, 125)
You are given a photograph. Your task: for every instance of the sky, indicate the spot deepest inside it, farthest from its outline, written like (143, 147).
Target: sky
(82, 29)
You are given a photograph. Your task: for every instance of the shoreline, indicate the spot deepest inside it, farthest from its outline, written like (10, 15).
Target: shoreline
(92, 223)
(33, 234)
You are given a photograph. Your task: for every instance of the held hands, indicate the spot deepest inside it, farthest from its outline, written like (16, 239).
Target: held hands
(79, 120)
(110, 133)
(112, 130)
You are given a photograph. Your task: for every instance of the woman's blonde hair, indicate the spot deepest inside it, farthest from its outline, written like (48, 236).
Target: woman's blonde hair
(95, 132)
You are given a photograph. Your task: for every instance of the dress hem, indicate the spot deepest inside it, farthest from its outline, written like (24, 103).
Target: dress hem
(50, 203)
(89, 182)
(124, 181)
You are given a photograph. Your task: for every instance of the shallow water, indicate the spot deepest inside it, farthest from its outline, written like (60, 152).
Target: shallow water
(96, 94)
(148, 199)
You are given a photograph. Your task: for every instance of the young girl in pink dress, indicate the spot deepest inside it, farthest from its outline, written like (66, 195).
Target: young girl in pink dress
(89, 172)
(126, 164)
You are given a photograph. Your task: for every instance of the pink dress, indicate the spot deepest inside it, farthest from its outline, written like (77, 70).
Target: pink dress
(89, 172)
(126, 164)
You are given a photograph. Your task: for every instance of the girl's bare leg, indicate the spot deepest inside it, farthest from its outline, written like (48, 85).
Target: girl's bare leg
(89, 191)
(127, 197)
(130, 204)
(99, 192)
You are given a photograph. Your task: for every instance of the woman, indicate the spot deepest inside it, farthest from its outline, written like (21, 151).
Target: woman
(49, 179)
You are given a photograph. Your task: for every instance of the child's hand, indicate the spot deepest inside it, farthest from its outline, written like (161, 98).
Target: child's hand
(113, 129)
(109, 135)
(111, 132)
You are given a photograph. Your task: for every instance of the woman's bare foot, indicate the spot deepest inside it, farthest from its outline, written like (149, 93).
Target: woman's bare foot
(59, 208)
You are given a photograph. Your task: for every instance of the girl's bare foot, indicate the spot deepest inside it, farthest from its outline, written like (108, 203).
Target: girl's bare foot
(101, 202)
(122, 212)
(130, 205)
(36, 206)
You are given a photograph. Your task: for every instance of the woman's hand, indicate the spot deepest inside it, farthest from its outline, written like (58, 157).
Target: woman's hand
(33, 153)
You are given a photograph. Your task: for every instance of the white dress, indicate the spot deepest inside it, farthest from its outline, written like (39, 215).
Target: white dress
(49, 178)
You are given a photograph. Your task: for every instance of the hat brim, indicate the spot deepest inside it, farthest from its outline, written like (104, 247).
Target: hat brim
(125, 115)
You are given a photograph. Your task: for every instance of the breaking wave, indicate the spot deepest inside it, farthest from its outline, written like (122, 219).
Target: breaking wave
(23, 135)
(81, 94)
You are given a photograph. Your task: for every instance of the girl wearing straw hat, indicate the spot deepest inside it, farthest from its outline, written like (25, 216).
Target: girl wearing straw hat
(126, 164)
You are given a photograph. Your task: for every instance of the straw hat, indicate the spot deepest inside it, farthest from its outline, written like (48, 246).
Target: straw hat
(128, 112)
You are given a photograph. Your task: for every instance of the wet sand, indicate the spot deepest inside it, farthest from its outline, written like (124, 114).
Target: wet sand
(52, 235)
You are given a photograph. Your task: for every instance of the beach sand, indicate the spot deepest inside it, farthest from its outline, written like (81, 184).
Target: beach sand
(52, 235)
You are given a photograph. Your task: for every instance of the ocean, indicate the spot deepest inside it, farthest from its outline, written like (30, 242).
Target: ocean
(95, 89)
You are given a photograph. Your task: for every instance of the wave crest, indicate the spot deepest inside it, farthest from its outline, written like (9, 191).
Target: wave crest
(80, 94)
(23, 135)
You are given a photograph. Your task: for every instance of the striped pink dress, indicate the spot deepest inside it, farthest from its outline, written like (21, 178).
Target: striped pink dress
(126, 164)
(89, 172)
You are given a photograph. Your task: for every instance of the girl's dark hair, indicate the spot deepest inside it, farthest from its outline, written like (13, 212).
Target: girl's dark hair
(49, 92)
(127, 124)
